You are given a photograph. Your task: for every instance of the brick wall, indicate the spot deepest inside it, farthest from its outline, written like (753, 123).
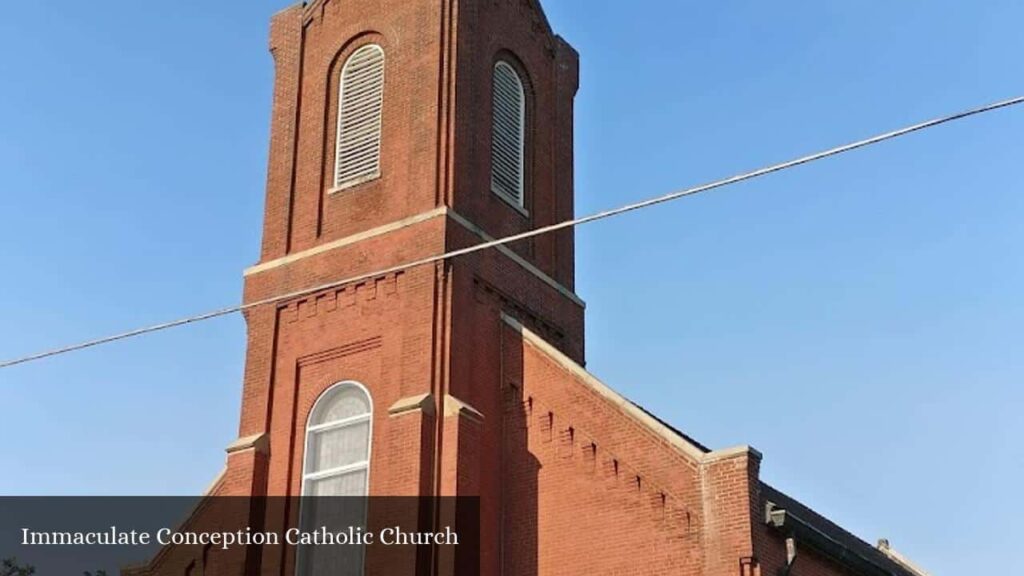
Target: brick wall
(588, 489)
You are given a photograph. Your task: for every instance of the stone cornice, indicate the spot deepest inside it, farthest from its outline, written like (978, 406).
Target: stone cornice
(411, 221)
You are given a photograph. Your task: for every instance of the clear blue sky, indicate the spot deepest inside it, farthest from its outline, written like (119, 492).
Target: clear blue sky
(858, 320)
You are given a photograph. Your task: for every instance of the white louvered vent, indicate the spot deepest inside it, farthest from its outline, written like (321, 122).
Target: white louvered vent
(508, 134)
(359, 117)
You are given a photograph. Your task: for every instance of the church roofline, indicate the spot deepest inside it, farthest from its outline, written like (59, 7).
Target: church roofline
(683, 443)
(885, 548)
(790, 516)
(794, 519)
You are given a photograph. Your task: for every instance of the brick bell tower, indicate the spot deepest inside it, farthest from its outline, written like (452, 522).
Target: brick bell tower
(403, 129)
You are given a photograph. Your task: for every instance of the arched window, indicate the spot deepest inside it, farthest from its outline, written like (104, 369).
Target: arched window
(360, 115)
(337, 462)
(337, 459)
(508, 134)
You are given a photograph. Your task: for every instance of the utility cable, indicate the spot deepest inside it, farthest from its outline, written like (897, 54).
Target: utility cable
(524, 235)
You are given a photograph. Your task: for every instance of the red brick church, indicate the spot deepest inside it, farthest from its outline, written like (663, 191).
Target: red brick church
(403, 129)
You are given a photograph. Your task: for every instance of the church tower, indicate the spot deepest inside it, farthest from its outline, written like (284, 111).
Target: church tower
(404, 129)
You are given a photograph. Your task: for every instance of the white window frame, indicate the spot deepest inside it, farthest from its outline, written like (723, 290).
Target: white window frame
(312, 430)
(518, 203)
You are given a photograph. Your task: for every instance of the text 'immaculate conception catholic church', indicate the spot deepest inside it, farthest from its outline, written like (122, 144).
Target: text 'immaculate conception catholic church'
(403, 129)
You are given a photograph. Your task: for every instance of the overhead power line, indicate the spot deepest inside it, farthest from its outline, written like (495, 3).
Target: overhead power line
(522, 236)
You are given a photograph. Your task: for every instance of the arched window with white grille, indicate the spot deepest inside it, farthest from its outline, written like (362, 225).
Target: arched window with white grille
(508, 135)
(338, 443)
(336, 463)
(360, 117)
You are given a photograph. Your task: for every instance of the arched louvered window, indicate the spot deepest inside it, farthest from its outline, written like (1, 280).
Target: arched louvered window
(336, 463)
(508, 134)
(360, 114)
